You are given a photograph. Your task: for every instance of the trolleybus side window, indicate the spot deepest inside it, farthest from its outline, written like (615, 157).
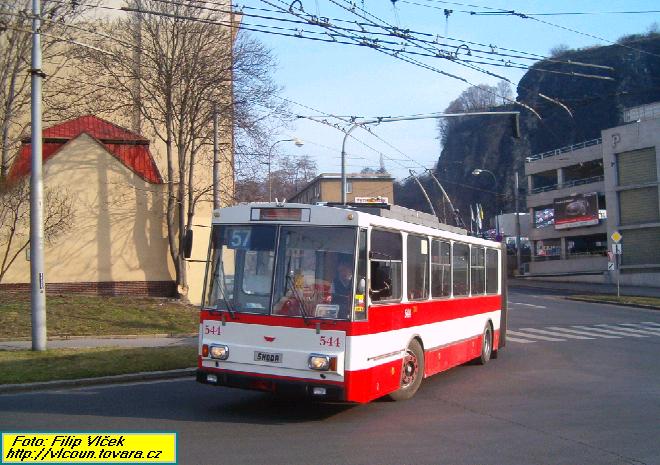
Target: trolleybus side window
(492, 267)
(461, 268)
(478, 270)
(440, 269)
(417, 266)
(385, 266)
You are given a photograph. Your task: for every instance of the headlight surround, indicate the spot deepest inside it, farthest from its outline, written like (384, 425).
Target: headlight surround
(322, 362)
(219, 352)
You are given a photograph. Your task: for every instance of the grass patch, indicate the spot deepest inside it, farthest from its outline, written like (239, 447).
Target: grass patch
(624, 299)
(26, 366)
(76, 315)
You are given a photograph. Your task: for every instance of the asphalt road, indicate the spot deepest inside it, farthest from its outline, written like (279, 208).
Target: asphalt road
(578, 383)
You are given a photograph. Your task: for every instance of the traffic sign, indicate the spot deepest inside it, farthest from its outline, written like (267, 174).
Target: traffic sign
(616, 237)
(616, 249)
(610, 266)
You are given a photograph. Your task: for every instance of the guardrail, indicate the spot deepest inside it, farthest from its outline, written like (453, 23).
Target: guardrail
(568, 148)
(573, 183)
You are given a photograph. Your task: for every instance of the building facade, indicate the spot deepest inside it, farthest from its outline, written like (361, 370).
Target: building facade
(567, 209)
(632, 175)
(578, 196)
(326, 187)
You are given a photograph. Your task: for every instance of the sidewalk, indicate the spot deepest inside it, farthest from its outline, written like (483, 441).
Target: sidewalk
(91, 342)
(583, 288)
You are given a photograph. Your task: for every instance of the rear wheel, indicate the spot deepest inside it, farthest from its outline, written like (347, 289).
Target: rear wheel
(412, 372)
(486, 345)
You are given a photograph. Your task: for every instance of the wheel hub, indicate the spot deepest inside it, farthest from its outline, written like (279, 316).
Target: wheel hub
(410, 368)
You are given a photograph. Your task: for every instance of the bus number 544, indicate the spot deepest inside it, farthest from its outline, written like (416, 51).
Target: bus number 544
(329, 341)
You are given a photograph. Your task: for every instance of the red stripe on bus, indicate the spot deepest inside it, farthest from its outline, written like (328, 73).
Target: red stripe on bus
(372, 383)
(382, 318)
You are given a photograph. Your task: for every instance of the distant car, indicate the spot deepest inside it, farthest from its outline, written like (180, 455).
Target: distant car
(577, 207)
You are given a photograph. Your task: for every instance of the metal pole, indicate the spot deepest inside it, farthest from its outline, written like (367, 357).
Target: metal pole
(343, 163)
(37, 278)
(216, 161)
(412, 173)
(458, 221)
(270, 181)
(518, 251)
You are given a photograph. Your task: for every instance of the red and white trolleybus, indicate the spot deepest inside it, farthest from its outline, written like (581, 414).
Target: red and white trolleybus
(341, 304)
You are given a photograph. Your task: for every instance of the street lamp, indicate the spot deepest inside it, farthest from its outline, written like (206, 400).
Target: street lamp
(478, 171)
(295, 140)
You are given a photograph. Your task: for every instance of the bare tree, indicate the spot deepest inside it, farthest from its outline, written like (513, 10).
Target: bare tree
(174, 63)
(15, 219)
(474, 98)
(15, 50)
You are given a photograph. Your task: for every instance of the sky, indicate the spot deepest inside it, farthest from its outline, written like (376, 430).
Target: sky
(330, 79)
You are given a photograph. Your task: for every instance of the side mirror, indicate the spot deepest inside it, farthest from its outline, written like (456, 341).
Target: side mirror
(362, 286)
(187, 243)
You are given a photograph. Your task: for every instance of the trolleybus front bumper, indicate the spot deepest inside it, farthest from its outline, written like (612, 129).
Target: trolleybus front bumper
(305, 388)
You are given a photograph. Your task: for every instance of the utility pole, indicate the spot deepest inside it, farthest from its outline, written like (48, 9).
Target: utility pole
(216, 161)
(37, 278)
(518, 251)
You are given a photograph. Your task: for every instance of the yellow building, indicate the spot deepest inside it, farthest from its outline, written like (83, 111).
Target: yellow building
(118, 240)
(362, 187)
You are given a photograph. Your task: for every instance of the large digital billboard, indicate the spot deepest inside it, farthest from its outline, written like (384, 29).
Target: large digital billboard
(576, 211)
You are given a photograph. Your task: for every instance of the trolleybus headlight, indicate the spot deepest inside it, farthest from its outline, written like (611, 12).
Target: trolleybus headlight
(220, 352)
(322, 362)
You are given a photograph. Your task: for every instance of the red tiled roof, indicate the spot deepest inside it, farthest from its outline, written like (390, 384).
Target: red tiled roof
(128, 147)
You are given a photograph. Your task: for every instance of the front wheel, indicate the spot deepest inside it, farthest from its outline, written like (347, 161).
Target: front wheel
(486, 345)
(412, 372)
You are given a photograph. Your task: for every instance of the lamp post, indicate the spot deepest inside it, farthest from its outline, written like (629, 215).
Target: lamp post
(298, 143)
(478, 171)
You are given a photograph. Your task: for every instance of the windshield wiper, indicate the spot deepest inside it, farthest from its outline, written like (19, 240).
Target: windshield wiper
(230, 307)
(303, 308)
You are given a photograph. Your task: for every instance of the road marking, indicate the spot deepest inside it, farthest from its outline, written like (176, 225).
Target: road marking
(534, 336)
(566, 330)
(642, 326)
(515, 339)
(636, 331)
(528, 305)
(652, 323)
(600, 330)
(607, 331)
(551, 333)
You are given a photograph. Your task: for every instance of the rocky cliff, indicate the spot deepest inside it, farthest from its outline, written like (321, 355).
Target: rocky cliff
(586, 106)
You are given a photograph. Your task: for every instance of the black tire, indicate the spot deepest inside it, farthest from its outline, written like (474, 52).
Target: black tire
(412, 372)
(486, 345)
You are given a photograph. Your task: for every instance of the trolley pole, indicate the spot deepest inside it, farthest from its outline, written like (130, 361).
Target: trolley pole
(37, 278)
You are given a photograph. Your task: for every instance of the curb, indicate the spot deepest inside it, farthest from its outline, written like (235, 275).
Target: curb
(613, 302)
(116, 379)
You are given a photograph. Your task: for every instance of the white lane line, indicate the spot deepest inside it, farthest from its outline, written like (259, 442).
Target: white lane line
(551, 333)
(515, 339)
(607, 331)
(585, 333)
(644, 327)
(636, 331)
(535, 336)
(528, 305)
(652, 323)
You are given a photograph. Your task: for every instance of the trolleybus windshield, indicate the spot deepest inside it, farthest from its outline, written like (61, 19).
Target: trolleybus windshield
(302, 271)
